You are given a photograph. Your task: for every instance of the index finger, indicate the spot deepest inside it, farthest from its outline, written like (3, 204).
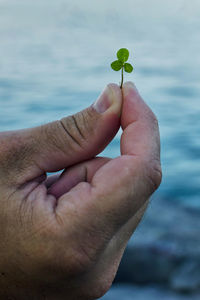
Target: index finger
(140, 126)
(125, 183)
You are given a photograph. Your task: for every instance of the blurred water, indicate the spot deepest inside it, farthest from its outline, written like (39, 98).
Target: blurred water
(55, 56)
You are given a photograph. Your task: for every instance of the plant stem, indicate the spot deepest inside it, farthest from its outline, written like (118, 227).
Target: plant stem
(122, 77)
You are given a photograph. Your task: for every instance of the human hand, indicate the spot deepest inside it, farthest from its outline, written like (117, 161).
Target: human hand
(63, 237)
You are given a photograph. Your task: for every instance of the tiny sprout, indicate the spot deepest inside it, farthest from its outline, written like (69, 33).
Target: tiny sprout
(121, 64)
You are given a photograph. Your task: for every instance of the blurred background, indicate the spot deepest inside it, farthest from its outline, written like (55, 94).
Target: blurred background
(55, 60)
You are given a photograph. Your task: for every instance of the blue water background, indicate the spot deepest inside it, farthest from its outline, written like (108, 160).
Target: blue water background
(54, 61)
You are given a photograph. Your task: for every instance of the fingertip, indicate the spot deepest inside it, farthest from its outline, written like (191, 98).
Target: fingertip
(109, 100)
(115, 90)
(134, 107)
(129, 84)
(129, 88)
(115, 96)
(114, 86)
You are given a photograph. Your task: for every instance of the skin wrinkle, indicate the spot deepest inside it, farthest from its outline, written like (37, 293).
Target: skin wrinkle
(78, 127)
(59, 141)
(74, 139)
(26, 211)
(29, 204)
(90, 114)
(85, 174)
(53, 138)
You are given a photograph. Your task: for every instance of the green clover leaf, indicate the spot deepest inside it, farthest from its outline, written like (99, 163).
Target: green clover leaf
(128, 68)
(120, 64)
(123, 55)
(116, 65)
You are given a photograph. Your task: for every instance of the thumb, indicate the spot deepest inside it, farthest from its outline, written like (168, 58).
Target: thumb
(55, 146)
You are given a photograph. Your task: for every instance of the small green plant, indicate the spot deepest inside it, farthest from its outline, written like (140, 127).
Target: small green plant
(121, 63)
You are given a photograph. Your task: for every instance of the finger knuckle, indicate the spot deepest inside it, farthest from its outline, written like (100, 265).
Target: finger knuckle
(97, 288)
(82, 260)
(78, 127)
(153, 172)
(70, 261)
(86, 250)
(153, 119)
(84, 121)
(71, 131)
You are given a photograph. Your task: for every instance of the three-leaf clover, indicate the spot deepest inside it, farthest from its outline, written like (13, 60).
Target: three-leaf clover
(121, 63)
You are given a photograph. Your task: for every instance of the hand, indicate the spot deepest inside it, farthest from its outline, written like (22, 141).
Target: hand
(62, 237)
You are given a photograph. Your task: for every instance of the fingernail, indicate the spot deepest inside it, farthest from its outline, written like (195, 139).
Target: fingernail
(110, 99)
(130, 84)
(104, 101)
(129, 87)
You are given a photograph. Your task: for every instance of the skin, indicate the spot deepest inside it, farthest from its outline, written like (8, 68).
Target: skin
(63, 237)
